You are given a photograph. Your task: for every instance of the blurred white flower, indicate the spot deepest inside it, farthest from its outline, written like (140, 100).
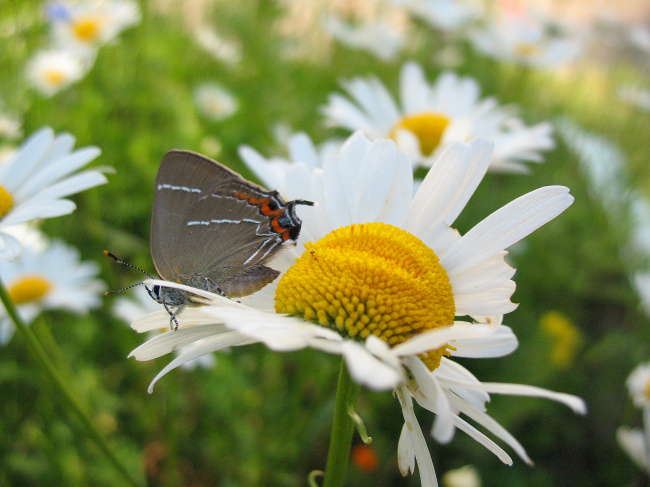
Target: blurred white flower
(448, 57)
(36, 178)
(10, 126)
(215, 45)
(639, 36)
(636, 442)
(90, 24)
(634, 95)
(215, 102)
(638, 384)
(430, 117)
(466, 476)
(48, 277)
(378, 37)
(447, 15)
(521, 35)
(53, 70)
(633, 442)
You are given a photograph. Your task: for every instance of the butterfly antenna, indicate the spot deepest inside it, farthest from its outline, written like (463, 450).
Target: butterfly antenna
(120, 261)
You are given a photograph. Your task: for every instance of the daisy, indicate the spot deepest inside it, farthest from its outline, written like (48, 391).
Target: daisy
(53, 70)
(387, 283)
(91, 24)
(35, 180)
(523, 36)
(431, 117)
(215, 102)
(636, 442)
(49, 276)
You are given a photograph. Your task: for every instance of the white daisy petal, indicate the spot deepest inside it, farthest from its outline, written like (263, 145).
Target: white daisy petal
(415, 445)
(452, 371)
(208, 345)
(449, 185)
(491, 425)
(368, 370)
(495, 301)
(575, 403)
(484, 276)
(507, 226)
(462, 425)
(430, 395)
(502, 342)
(436, 338)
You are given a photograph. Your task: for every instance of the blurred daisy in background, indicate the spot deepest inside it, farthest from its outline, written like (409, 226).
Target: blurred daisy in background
(218, 47)
(446, 15)
(36, 178)
(466, 476)
(215, 102)
(634, 95)
(10, 126)
(87, 25)
(636, 442)
(53, 70)
(388, 284)
(518, 34)
(431, 117)
(139, 304)
(48, 275)
(379, 37)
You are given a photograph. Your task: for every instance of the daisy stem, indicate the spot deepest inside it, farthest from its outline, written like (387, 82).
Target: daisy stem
(70, 397)
(338, 456)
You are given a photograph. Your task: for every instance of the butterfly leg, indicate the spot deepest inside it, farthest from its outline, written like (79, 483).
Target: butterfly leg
(173, 322)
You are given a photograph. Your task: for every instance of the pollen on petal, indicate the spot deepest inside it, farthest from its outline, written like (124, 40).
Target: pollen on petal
(428, 127)
(370, 278)
(29, 288)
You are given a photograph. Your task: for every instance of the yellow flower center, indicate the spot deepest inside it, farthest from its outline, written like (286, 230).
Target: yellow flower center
(54, 77)
(428, 127)
(370, 278)
(29, 288)
(86, 29)
(6, 201)
(527, 49)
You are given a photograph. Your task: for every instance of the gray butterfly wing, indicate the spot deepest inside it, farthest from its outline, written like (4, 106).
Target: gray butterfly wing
(201, 230)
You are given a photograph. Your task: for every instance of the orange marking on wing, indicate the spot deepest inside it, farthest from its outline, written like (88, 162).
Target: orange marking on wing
(263, 204)
(277, 228)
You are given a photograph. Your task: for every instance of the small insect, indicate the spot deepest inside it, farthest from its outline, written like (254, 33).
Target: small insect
(214, 230)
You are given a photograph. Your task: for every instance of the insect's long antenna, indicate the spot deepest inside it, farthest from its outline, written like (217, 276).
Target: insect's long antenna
(120, 261)
(125, 288)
